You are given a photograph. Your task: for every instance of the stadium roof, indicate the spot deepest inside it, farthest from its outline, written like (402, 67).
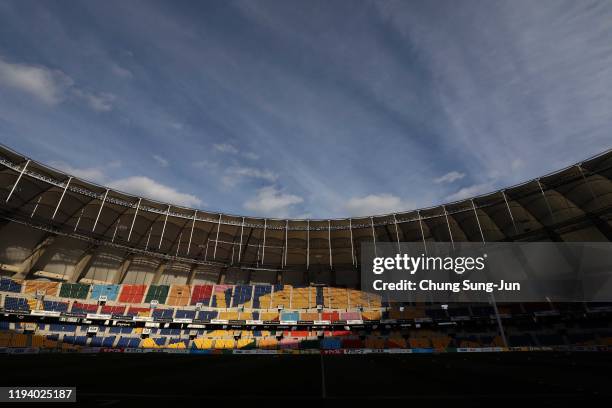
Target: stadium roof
(551, 207)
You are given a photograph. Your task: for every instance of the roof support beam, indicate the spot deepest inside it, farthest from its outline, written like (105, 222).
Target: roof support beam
(307, 244)
(17, 181)
(191, 233)
(161, 238)
(478, 221)
(396, 233)
(240, 246)
(373, 235)
(510, 212)
(100, 210)
(217, 239)
(422, 231)
(263, 247)
(61, 198)
(134, 219)
(352, 245)
(331, 264)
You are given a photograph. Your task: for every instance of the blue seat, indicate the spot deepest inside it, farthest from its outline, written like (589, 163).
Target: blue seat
(208, 314)
(260, 290)
(290, 316)
(163, 313)
(108, 341)
(185, 314)
(134, 342)
(9, 285)
(53, 306)
(16, 304)
(242, 295)
(110, 291)
(96, 342)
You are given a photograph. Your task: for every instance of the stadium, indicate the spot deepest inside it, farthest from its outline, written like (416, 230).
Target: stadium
(288, 201)
(87, 269)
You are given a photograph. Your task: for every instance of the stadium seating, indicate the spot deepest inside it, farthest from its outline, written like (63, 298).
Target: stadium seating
(110, 291)
(261, 290)
(158, 293)
(132, 293)
(44, 287)
(9, 285)
(242, 296)
(83, 308)
(179, 295)
(201, 294)
(300, 298)
(222, 295)
(74, 290)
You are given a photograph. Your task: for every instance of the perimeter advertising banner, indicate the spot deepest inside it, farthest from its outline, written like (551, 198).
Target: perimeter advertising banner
(477, 272)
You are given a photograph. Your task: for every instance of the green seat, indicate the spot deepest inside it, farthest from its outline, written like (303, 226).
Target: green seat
(157, 292)
(74, 290)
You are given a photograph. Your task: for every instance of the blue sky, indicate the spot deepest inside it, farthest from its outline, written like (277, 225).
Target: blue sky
(306, 108)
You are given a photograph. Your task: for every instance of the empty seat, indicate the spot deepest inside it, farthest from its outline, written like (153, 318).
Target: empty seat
(54, 306)
(157, 292)
(74, 290)
(132, 293)
(16, 304)
(312, 316)
(83, 308)
(259, 292)
(336, 298)
(179, 295)
(358, 298)
(289, 316)
(110, 291)
(139, 311)
(350, 316)
(113, 310)
(207, 314)
(300, 299)
(242, 296)
(9, 285)
(163, 313)
(185, 314)
(201, 294)
(222, 296)
(331, 316)
(44, 287)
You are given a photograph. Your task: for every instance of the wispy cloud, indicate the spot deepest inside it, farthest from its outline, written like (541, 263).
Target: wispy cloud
(376, 204)
(271, 202)
(235, 174)
(95, 174)
(449, 177)
(145, 187)
(50, 86)
(47, 85)
(225, 148)
(160, 160)
(470, 191)
(138, 185)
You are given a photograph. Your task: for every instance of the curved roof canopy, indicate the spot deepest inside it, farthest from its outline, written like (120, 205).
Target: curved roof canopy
(557, 206)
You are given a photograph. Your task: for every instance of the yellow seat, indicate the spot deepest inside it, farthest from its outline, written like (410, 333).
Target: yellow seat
(149, 343)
